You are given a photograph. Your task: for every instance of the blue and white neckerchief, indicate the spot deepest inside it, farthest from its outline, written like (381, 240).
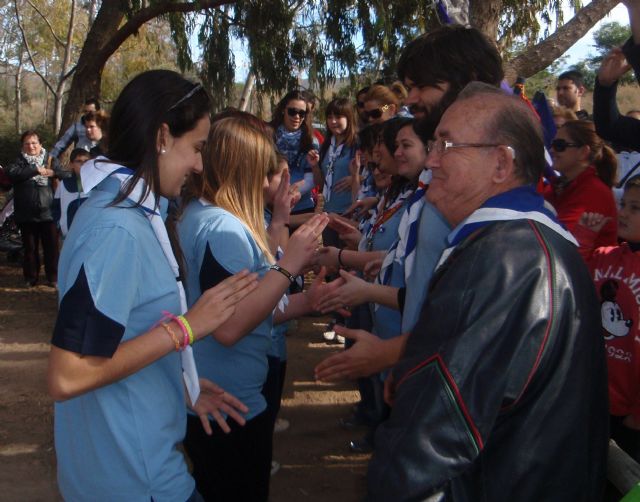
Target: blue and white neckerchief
(405, 250)
(333, 154)
(522, 203)
(382, 215)
(384, 276)
(288, 144)
(94, 172)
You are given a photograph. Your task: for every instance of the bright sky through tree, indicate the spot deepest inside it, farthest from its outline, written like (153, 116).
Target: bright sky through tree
(582, 49)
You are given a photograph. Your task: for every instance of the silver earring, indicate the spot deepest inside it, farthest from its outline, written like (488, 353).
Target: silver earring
(162, 151)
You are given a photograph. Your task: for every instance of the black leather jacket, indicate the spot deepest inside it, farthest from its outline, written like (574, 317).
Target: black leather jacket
(32, 201)
(501, 393)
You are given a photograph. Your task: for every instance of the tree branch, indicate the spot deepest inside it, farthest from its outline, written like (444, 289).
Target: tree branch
(44, 18)
(28, 49)
(134, 23)
(538, 57)
(68, 46)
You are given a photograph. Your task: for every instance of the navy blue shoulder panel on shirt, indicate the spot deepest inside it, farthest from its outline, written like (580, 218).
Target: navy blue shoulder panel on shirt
(71, 184)
(211, 272)
(81, 327)
(72, 209)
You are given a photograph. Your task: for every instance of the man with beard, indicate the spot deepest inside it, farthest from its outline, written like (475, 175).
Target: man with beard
(434, 67)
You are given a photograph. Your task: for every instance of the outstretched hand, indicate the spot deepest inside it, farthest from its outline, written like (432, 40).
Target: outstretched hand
(372, 268)
(367, 356)
(346, 292)
(320, 289)
(213, 400)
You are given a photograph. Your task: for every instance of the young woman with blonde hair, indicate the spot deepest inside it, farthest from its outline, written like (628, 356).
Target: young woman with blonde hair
(222, 230)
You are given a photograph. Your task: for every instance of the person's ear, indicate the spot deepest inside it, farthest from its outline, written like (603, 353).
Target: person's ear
(506, 164)
(585, 153)
(163, 138)
(581, 90)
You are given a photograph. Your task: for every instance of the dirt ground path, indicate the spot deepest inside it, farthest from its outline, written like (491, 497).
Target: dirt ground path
(315, 462)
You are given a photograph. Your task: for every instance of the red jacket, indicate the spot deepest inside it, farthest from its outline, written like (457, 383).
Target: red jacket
(616, 272)
(586, 193)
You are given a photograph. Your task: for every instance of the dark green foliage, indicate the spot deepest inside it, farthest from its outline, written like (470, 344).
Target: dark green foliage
(218, 65)
(609, 35)
(322, 40)
(179, 31)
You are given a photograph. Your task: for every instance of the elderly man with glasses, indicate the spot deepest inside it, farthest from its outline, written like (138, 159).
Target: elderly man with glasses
(501, 393)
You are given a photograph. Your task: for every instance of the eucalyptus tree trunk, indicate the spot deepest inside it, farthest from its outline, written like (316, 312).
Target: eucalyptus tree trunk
(106, 35)
(18, 93)
(245, 99)
(64, 71)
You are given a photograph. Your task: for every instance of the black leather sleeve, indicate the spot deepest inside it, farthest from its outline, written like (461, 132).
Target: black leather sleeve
(473, 353)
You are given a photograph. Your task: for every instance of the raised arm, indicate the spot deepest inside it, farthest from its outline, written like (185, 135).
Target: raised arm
(72, 373)
(259, 304)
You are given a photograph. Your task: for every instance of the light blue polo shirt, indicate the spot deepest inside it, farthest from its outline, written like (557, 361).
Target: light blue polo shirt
(338, 202)
(433, 230)
(118, 442)
(217, 245)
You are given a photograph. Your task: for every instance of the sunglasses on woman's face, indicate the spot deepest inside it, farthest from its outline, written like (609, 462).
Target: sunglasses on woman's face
(560, 145)
(293, 112)
(377, 112)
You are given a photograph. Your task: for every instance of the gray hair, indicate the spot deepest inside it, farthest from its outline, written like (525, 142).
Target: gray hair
(514, 124)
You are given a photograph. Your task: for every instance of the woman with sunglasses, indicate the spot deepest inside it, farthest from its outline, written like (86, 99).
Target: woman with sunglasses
(382, 103)
(123, 337)
(588, 171)
(294, 138)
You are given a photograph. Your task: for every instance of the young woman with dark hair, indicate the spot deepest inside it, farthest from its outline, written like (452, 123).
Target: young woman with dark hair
(121, 348)
(331, 164)
(294, 138)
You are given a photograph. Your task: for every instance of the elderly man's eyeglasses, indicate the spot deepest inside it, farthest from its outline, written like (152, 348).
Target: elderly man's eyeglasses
(442, 146)
(560, 145)
(376, 113)
(294, 112)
